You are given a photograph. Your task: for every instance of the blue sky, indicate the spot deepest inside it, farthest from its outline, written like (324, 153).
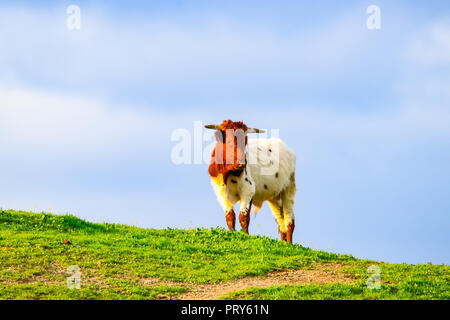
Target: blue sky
(86, 116)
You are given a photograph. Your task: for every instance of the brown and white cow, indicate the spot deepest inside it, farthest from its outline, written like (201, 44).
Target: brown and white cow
(252, 171)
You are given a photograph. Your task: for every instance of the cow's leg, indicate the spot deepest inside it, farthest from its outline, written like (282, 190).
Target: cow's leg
(287, 202)
(230, 216)
(282, 234)
(277, 211)
(226, 205)
(244, 214)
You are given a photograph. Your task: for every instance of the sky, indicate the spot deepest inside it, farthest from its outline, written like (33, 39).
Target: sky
(87, 115)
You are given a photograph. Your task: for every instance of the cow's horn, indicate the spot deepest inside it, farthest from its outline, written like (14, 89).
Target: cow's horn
(254, 130)
(212, 126)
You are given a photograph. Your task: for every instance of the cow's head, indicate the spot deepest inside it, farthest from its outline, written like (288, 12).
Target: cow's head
(228, 156)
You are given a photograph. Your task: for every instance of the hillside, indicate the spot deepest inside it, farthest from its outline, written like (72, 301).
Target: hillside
(126, 262)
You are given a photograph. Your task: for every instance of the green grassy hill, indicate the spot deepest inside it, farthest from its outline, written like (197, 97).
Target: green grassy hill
(126, 262)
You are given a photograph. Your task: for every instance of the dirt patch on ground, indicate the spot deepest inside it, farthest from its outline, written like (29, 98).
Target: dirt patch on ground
(320, 273)
(324, 273)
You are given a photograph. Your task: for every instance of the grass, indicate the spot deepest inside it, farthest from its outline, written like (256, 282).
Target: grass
(125, 262)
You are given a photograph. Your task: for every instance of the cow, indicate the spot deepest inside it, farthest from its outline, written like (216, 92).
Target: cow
(252, 171)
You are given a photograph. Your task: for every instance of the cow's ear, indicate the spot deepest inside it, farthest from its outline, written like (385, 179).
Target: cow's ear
(218, 135)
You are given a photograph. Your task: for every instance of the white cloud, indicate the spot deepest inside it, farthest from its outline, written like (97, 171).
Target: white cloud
(432, 45)
(47, 124)
(128, 51)
(425, 79)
